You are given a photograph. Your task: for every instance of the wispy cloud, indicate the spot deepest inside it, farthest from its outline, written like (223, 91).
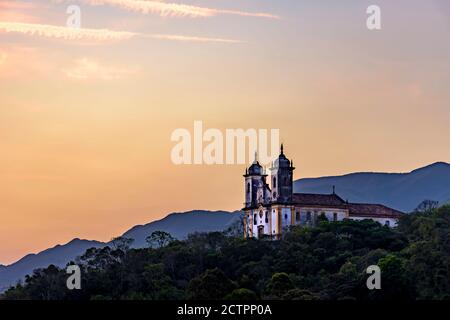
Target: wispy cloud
(88, 69)
(182, 38)
(7, 4)
(173, 9)
(51, 31)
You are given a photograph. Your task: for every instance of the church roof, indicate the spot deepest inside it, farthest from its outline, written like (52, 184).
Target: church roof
(373, 210)
(355, 209)
(314, 199)
(255, 169)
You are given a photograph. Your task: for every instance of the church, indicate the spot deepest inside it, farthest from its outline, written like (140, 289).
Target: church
(271, 209)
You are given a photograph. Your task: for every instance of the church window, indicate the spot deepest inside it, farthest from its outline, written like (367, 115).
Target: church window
(274, 182)
(267, 217)
(297, 216)
(274, 194)
(248, 187)
(255, 220)
(285, 217)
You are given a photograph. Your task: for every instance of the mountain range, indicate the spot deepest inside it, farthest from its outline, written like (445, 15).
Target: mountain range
(402, 191)
(179, 225)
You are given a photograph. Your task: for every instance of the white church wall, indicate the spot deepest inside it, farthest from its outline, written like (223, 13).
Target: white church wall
(285, 217)
(256, 221)
(260, 221)
(274, 221)
(314, 213)
(266, 222)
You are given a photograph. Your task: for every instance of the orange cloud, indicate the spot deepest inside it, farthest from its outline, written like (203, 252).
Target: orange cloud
(172, 9)
(175, 37)
(51, 31)
(6, 4)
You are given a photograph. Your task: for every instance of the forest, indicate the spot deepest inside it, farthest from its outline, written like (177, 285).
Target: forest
(325, 262)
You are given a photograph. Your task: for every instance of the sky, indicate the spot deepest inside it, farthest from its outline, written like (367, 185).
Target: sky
(86, 115)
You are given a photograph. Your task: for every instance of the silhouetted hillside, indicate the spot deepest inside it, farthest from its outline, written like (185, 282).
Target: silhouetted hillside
(58, 255)
(179, 225)
(325, 262)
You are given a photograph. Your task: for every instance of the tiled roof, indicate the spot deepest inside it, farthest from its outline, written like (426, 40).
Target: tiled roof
(355, 209)
(313, 199)
(373, 210)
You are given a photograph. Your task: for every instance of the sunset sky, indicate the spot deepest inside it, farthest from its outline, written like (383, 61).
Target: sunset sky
(86, 117)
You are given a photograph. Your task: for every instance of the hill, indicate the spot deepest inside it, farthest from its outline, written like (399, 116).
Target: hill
(401, 191)
(179, 225)
(325, 262)
(58, 255)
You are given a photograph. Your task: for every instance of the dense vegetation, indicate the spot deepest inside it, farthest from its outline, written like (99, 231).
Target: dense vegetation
(325, 262)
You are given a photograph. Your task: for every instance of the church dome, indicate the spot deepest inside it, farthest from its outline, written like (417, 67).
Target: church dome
(255, 169)
(282, 161)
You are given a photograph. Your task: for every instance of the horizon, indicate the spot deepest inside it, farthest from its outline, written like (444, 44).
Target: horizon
(86, 115)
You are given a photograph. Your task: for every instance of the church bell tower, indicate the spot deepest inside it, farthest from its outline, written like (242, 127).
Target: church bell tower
(282, 172)
(255, 178)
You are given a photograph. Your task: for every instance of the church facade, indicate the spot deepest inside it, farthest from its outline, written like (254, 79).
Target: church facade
(271, 206)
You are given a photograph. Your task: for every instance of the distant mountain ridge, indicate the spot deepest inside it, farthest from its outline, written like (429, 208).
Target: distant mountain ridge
(179, 225)
(401, 191)
(58, 255)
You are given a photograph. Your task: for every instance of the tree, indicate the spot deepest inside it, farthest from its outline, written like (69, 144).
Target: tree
(279, 284)
(394, 278)
(159, 239)
(236, 229)
(242, 294)
(426, 206)
(300, 294)
(121, 243)
(213, 284)
(159, 284)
